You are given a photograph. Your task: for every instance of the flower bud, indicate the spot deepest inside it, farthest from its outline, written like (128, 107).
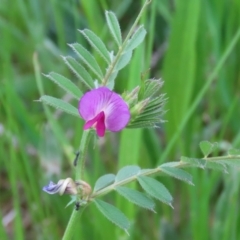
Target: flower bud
(138, 108)
(85, 189)
(68, 186)
(64, 186)
(132, 96)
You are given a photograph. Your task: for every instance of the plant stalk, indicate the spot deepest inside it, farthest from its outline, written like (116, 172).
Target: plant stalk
(80, 165)
(121, 48)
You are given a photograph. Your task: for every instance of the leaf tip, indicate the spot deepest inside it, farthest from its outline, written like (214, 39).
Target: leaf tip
(46, 75)
(126, 231)
(63, 57)
(153, 210)
(170, 204)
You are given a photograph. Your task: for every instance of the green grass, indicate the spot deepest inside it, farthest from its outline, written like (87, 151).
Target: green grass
(193, 46)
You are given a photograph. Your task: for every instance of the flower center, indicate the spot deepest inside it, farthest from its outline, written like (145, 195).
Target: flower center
(97, 122)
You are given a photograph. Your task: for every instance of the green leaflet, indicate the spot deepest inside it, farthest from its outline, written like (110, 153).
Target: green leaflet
(65, 84)
(235, 163)
(80, 72)
(127, 172)
(111, 79)
(234, 152)
(207, 147)
(136, 197)
(88, 59)
(195, 162)
(155, 189)
(136, 39)
(97, 44)
(176, 173)
(114, 27)
(123, 60)
(60, 104)
(112, 214)
(104, 181)
(219, 166)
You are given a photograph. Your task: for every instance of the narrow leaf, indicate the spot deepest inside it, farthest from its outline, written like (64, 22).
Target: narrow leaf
(114, 27)
(104, 181)
(171, 164)
(177, 173)
(136, 197)
(220, 166)
(80, 72)
(155, 189)
(123, 60)
(127, 172)
(231, 162)
(234, 152)
(88, 59)
(112, 214)
(59, 104)
(65, 84)
(136, 39)
(195, 162)
(111, 80)
(97, 44)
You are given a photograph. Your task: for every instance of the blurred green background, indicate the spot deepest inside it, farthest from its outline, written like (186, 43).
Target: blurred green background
(193, 45)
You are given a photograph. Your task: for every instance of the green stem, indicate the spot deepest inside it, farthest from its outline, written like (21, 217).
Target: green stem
(230, 157)
(80, 164)
(148, 172)
(68, 234)
(121, 48)
(82, 155)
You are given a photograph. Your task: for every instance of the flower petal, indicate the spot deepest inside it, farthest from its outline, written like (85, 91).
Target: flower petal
(93, 102)
(64, 186)
(116, 111)
(51, 188)
(117, 114)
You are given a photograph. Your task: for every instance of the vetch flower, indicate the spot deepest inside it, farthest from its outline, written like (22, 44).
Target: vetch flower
(68, 186)
(104, 110)
(64, 186)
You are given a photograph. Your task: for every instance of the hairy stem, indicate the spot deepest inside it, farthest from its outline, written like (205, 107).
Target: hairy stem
(69, 232)
(121, 48)
(148, 172)
(80, 163)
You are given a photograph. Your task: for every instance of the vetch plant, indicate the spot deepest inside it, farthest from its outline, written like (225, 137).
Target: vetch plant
(104, 110)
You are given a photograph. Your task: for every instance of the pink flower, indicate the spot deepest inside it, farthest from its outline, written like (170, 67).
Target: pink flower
(104, 110)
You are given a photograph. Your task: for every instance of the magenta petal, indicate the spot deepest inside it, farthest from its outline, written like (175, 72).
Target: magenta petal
(116, 111)
(117, 114)
(101, 128)
(97, 122)
(93, 102)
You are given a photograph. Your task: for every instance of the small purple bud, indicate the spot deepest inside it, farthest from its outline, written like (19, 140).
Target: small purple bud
(64, 186)
(68, 186)
(104, 110)
(51, 188)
